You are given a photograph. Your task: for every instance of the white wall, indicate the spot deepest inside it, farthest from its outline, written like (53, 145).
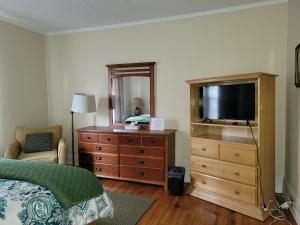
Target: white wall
(237, 42)
(292, 176)
(23, 88)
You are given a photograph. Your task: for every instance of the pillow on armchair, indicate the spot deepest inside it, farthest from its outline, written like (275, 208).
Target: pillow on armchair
(58, 153)
(38, 142)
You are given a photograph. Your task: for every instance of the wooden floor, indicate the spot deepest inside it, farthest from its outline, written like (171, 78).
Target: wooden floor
(184, 210)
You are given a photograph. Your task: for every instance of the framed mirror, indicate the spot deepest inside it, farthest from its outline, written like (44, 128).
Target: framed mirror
(130, 93)
(297, 66)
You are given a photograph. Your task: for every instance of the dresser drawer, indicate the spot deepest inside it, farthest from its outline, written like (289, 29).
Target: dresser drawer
(141, 151)
(145, 174)
(134, 140)
(153, 141)
(98, 148)
(240, 192)
(88, 137)
(205, 147)
(111, 139)
(239, 173)
(239, 153)
(99, 158)
(142, 162)
(101, 169)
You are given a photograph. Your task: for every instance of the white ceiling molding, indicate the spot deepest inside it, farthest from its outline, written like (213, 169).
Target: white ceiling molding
(25, 24)
(14, 20)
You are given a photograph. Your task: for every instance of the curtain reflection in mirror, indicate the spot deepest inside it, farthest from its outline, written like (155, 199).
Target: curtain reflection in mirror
(130, 97)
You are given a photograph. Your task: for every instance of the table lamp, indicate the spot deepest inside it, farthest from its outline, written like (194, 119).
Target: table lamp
(137, 103)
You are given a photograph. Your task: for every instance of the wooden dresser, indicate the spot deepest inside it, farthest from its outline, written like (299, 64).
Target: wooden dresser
(140, 156)
(228, 167)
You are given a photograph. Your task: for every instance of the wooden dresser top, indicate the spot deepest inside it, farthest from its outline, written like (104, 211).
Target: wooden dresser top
(98, 129)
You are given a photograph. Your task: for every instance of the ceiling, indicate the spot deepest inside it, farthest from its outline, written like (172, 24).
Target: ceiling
(58, 16)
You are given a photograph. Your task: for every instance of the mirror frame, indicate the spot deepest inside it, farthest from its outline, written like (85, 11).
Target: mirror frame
(143, 69)
(297, 61)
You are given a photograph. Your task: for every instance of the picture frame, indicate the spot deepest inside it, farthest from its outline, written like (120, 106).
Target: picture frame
(297, 66)
(157, 123)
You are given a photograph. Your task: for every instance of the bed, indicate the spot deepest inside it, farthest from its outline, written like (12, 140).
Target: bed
(28, 203)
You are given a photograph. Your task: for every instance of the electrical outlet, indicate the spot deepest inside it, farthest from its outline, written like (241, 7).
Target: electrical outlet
(288, 202)
(286, 205)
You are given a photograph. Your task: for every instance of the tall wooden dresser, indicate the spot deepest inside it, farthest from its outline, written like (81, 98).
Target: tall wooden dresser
(140, 156)
(232, 164)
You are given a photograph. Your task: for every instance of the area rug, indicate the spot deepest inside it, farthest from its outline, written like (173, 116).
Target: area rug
(129, 209)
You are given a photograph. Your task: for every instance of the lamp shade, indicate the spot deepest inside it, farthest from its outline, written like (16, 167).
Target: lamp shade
(137, 102)
(83, 103)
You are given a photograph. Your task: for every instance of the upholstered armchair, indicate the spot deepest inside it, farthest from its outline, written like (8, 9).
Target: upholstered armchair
(58, 155)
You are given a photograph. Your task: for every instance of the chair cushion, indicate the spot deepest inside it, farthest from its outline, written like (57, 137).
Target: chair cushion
(38, 142)
(21, 133)
(48, 156)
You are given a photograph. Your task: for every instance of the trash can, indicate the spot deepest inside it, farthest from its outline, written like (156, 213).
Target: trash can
(176, 180)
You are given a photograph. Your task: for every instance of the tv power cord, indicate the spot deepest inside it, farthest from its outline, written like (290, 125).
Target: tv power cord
(277, 212)
(259, 167)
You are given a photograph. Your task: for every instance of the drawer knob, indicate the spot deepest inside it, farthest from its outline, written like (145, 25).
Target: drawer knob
(237, 155)
(204, 166)
(237, 173)
(140, 173)
(142, 162)
(98, 148)
(108, 139)
(203, 182)
(98, 158)
(99, 169)
(237, 192)
(204, 149)
(141, 151)
(153, 142)
(130, 140)
(88, 137)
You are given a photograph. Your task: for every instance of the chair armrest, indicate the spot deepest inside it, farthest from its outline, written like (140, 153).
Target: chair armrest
(13, 151)
(62, 151)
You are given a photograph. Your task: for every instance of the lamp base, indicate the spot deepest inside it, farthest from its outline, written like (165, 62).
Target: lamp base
(73, 151)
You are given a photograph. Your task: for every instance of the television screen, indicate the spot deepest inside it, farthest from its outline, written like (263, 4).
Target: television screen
(235, 102)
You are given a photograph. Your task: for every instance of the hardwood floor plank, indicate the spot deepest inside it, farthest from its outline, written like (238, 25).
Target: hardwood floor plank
(183, 210)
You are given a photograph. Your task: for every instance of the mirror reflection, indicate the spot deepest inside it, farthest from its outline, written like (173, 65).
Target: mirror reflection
(131, 99)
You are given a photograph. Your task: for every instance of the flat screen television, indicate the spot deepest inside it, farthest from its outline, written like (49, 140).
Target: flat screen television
(231, 102)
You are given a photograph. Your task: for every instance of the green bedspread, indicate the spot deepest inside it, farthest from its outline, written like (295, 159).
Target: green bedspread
(70, 185)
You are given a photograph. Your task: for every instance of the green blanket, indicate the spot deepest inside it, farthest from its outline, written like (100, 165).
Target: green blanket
(70, 185)
(139, 119)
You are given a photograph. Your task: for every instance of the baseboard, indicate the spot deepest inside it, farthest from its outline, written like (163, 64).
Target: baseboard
(288, 194)
(187, 176)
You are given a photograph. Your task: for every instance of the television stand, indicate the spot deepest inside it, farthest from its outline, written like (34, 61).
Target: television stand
(227, 167)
